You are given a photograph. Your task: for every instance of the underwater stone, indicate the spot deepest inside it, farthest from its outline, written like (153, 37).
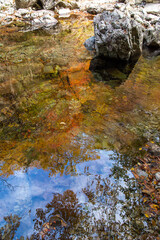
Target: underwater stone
(90, 43)
(157, 175)
(142, 173)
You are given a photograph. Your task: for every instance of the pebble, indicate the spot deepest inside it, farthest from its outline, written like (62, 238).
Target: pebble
(18, 15)
(152, 9)
(8, 18)
(2, 15)
(150, 17)
(22, 11)
(64, 12)
(157, 175)
(36, 21)
(11, 10)
(90, 43)
(27, 17)
(142, 173)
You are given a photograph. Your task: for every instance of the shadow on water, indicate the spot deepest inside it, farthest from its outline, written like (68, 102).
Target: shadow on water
(113, 72)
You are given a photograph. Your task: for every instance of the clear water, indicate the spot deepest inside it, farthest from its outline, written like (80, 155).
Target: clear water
(68, 141)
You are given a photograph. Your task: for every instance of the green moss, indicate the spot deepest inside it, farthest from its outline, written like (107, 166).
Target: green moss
(116, 74)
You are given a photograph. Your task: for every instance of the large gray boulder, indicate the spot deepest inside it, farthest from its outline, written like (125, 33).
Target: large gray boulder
(24, 3)
(118, 36)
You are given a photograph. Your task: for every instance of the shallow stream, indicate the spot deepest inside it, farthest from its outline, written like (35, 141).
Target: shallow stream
(69, 140)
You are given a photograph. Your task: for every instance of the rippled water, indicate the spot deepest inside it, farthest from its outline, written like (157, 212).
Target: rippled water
(68, 139)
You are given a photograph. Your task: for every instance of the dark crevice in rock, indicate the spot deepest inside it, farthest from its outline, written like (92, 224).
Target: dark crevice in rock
(150, 52)
(38, 5)
(113, 71)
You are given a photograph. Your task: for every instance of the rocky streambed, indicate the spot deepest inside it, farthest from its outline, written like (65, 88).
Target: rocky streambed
(70, 141)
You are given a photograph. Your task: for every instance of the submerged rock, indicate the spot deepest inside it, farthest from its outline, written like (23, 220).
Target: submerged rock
(157, 175)
(153, 149)
(142, 173)
(90, 43)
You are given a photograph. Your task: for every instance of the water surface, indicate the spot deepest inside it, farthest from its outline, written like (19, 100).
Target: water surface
(69, 141)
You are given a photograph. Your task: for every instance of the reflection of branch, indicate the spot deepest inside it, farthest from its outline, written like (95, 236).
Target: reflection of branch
(5, 183)
(69, 85)
(7, 232)
(72, 89)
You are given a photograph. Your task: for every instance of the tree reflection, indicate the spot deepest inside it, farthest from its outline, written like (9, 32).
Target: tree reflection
(111, 210)
(57, 155)
(59, 219)
(8, 231)
(105, 215)
(6, 183)
(51, 136)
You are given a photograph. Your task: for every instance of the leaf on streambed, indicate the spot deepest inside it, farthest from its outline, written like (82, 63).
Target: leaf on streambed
(148, 192)
(154, 206)
(145, 200)
(153, 222)
(135, 175)
(148, 215)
